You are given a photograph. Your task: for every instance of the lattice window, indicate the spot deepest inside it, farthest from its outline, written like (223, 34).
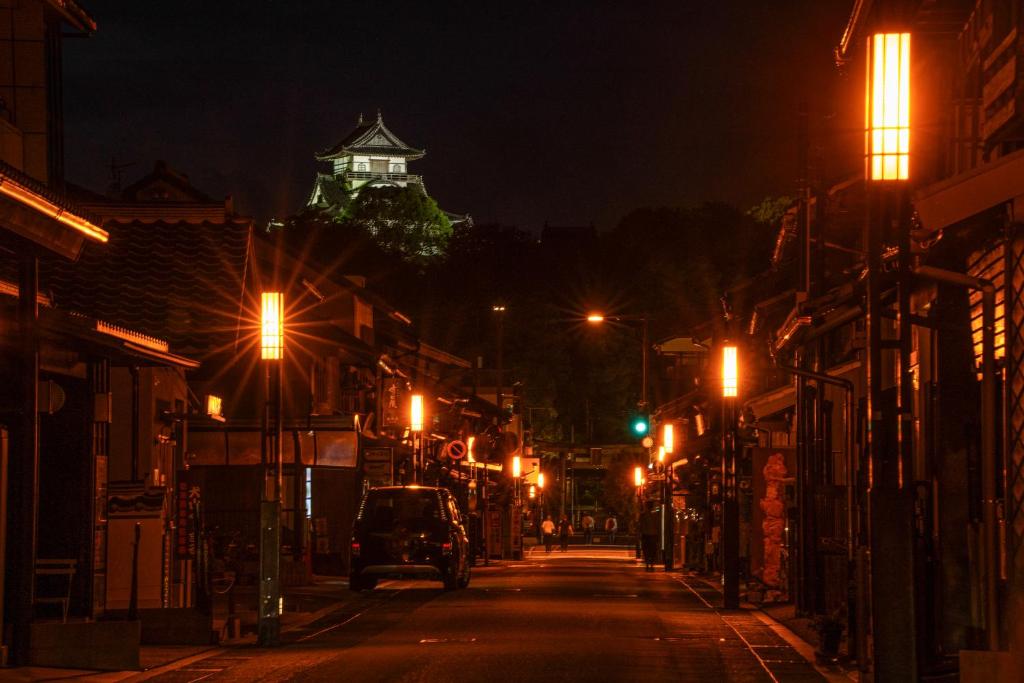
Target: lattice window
(989, 264)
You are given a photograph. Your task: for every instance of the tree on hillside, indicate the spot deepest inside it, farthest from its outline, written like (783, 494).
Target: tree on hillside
(402, 220)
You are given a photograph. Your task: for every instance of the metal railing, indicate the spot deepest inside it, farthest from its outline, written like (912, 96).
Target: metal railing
(394, 177)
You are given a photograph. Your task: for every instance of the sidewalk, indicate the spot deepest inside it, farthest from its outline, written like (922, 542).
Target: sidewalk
(781, 618)
(302, 605)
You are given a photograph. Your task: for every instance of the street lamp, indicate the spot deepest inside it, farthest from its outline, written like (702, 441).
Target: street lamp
(638, 482)
(271, 351)
(730, 372)
(667, 522)
(599, 318)
(888, 107)
(889, 219)
(499, 310)
(416, 427)
(730, 494)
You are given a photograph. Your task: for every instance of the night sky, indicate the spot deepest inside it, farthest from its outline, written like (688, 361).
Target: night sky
(570, 112)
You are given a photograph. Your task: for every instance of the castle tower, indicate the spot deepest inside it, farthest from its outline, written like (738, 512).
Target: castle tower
(369, 156)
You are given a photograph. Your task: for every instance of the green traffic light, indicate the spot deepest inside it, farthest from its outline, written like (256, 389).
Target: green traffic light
(640, 426)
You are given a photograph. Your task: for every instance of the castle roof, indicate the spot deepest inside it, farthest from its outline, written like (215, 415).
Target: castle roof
(371, 138)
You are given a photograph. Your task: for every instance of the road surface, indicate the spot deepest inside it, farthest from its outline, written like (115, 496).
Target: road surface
(563, 617)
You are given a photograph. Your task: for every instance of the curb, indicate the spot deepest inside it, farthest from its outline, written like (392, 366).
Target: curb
(803, 648)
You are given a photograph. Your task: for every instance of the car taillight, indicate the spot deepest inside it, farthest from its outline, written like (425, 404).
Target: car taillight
(355, 548)
(446, 547)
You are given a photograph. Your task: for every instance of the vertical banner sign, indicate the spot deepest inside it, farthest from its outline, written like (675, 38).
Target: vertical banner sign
(517, 530)
(493, 532)
(393, 413)
(186, 505)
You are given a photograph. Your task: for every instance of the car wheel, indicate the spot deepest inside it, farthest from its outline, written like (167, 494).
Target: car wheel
(464, 581)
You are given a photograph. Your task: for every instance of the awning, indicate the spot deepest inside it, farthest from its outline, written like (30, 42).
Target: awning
(968, 194)
(773, 401)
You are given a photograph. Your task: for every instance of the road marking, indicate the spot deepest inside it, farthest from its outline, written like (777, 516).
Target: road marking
(614, 595)
(430, 641)
(350, 619)
(732, 628)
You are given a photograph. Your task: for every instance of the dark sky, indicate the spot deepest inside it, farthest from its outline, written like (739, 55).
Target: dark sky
(567, 111)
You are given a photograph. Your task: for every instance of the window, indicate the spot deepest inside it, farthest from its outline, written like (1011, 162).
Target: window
(361, 166)
(378, 165)
(397, 168)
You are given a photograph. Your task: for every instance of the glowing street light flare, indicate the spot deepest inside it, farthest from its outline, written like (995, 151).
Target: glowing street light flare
(668, 439)
(272, 326)
(730, 372)
(540, 480)
(887, 141)
(638, 476)
(533, 491)
(595, 318)
(517, 466)
(416, 413)
(661, 454)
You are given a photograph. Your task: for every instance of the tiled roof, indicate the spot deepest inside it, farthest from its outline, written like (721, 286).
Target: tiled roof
(182, 282)
(372, 138)
(56, 198)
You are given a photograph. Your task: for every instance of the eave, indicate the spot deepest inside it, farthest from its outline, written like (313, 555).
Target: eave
(74, 14)
(36, 213)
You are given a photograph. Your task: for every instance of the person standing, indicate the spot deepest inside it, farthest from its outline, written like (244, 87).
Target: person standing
(649, 528)
(547, 528)
(588, 529)
(564, 532)
(611, 525)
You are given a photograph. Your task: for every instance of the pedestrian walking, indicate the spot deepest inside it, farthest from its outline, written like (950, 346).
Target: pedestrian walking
(564, 532)
(649, 534)
(588, 529)
(611, 525)
(547, 527)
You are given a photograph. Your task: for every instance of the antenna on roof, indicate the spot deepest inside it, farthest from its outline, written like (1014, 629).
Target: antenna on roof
(114, 188)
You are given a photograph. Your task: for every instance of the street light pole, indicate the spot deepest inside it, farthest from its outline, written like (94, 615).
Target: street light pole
(638, 481)
(730, 492)
(643, 362)
(890, 492)
(271, 351)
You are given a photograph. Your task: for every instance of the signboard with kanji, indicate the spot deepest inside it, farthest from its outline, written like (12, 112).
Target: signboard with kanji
(377, 466)
(186, 508)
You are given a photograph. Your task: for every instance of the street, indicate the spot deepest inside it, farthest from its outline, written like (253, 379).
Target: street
(573, 617)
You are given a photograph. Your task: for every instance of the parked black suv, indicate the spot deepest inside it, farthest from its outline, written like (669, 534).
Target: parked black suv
(409, 531)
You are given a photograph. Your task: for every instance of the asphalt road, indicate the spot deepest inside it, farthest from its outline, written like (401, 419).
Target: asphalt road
(548, 618)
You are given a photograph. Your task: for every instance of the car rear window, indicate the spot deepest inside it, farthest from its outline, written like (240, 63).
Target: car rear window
(385, 509)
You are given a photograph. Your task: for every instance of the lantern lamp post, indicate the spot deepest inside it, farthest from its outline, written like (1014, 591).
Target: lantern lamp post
(638, 482)
(887, 171)
(730, 483)
(416, 418)
(272, 353)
